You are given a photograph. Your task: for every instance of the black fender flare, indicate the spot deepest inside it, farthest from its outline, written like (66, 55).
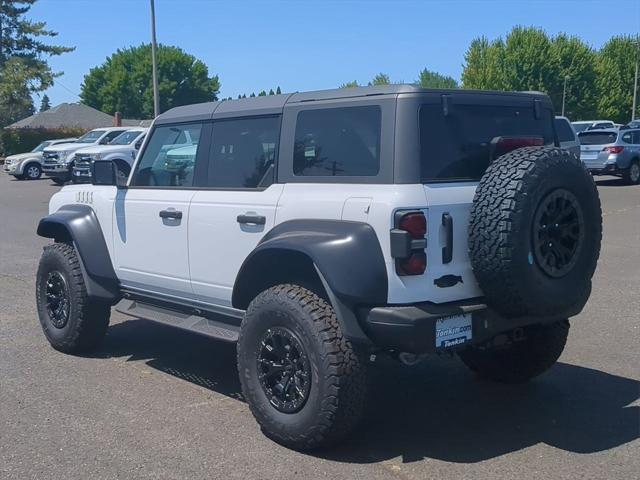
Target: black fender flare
(346, 256)
(78, 223)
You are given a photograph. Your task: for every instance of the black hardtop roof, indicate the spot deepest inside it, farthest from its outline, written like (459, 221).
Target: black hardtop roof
(273, 104)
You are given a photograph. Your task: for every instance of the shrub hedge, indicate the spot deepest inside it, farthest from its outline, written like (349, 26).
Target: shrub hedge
(19, 140)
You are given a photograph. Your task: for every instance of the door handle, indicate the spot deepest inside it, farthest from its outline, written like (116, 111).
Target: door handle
(250, 219)
(175, 214)
(447, 250)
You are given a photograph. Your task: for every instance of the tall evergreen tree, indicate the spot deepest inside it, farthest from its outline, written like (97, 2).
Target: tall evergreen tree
(45, 103)
(23, 65)
(429, 79)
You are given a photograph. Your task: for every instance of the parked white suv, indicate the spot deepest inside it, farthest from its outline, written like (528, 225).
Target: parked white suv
(58, 160)
(122, 150)
(28, 166)
(320, 230)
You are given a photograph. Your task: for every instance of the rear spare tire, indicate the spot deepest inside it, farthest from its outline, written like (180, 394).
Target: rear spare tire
(535, 232)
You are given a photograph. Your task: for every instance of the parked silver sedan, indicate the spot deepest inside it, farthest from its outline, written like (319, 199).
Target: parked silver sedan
(612, 152)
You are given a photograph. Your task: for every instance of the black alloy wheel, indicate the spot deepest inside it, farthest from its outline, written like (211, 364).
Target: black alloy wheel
(558, 231)
(284, 370)
(57, 299)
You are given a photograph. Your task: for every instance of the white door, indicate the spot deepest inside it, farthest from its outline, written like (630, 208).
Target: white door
(151, 217)
(227, 220)
(224, 227)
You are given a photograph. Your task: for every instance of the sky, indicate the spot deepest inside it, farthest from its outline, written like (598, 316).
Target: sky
(310, 45)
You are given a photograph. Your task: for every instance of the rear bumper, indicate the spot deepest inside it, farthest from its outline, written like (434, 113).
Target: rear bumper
(413, 328)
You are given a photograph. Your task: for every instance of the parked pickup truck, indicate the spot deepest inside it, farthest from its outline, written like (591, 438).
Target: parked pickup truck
(58, 160)
(121, 150)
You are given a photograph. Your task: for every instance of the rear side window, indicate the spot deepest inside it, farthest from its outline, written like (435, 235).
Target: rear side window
(243, 153)
(565, 134)
(458, 146)
(338, 142)
(597, 138)
(627, 137)
(169, 158)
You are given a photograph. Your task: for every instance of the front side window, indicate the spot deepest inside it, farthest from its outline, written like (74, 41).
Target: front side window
(458, 146)
(112, 135)
(91, 137)
(126, 138)
(41, 147)
(338, 142)
(243, 152)
(169, 158)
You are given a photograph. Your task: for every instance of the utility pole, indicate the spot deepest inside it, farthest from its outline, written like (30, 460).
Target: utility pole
(564, 92)
(635, 83)
(154, 66)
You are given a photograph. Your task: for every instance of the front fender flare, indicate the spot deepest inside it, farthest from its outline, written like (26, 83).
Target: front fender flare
(79, 224)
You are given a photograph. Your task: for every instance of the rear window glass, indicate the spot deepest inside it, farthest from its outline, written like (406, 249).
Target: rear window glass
(565, 134)
(338, 142)
(597, 138)
(458, 146)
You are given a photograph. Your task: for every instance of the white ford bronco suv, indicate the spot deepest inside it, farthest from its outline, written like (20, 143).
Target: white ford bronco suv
(319, 230)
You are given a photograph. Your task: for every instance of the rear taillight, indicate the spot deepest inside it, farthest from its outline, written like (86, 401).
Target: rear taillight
(502, 145)
(613, 149)
(408, 243)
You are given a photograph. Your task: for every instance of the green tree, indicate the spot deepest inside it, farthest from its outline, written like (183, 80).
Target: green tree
(351, 84)
(483, 65)
(528, 59)
(23, 66)
(615, 68)
(45, 103)
(123, 82)
(262, 94)
(429, 79)
(380, 79)
(15, 95)
(278, 91)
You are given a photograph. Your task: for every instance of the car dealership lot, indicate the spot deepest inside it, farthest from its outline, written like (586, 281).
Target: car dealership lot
(159, 403)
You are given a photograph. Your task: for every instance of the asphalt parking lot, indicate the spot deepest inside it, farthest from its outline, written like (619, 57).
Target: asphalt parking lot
(159, 403)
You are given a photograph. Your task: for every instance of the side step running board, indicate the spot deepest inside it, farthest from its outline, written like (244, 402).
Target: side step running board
(184, 321)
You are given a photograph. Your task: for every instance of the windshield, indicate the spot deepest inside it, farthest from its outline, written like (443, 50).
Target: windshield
(41, 147)
(90, 137)
(580, 127)
(597, 138)
(125, 138)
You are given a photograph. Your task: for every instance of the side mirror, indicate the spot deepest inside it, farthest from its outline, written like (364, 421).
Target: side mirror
(138, 145)
(104, 141)
(105, 172)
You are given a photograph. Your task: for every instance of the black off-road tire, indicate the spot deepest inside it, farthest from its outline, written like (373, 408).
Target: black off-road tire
(86, 321)
(505, 253)
(631, 175)
(335, 401)
(522, 360)
(58, 181)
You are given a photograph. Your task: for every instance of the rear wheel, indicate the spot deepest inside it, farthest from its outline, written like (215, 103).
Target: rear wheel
(517, 361)
(632, 174)
(304, 381)
(32, 171)
(71, 322)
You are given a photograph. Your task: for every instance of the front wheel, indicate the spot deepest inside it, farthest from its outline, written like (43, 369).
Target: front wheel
(33, 171)
(521, 360)
(632, 174)
(58, 180)
(70, 320)
(303, 380)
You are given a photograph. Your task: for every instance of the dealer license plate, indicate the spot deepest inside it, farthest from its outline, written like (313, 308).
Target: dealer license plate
(453, 330)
